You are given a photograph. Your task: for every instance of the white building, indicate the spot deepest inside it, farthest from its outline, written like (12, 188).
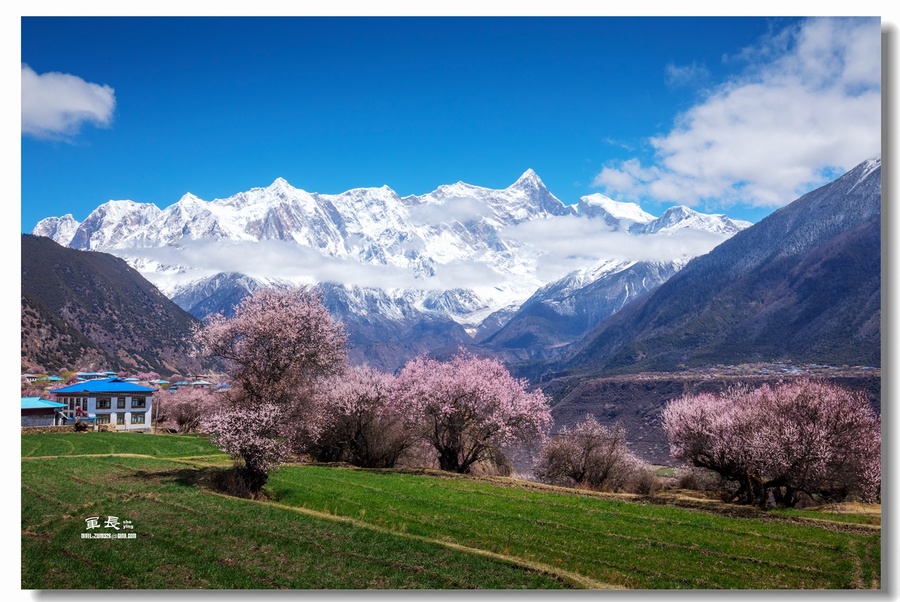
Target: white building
(124, 405)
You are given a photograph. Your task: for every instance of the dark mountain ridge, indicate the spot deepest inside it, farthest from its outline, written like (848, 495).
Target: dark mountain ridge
(804, 284)
(561, 313)
(90, 310)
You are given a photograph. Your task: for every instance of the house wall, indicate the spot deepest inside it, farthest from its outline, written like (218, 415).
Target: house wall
(31, 420)
(114, 412)
(37, 430)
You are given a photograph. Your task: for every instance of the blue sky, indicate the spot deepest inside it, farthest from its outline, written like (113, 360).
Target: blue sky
(735, 115)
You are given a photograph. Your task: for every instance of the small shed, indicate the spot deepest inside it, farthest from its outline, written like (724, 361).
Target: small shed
(40, 412)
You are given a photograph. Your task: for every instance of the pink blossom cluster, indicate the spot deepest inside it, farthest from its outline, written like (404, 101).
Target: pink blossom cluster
(184, 408)
(363, 390)
(366, 420)
(251, 434)
(803, 436)
(278, 343)
(288, 360)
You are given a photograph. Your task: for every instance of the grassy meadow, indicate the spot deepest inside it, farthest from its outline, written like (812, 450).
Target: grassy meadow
(329, 527)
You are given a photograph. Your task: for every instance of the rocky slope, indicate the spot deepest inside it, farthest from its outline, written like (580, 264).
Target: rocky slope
(89, 311)
(803, 284)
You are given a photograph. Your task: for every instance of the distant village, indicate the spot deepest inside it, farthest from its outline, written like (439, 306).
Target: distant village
(761, 370)
(102, 401)
(119, 401)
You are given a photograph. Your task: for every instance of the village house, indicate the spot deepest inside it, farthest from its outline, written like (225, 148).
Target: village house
(123, 405)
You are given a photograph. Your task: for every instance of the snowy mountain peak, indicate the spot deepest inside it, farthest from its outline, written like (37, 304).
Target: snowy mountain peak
(599, 205)
(869, 166)
(60, 229)
(279, 184)
(529, 175)
(678, 212)
(462, 251)
(190, 199)
(681, 217)
(123, 206)
(111, 223)
(529, 181)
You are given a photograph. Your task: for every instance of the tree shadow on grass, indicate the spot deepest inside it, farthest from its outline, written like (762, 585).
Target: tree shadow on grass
(229, 481)
(185, 477)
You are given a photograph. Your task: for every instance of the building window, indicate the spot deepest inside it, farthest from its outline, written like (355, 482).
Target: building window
(139, 402)
(120, 418)
(102, 418)
(120, 403)
(137, 418)
(103, 403)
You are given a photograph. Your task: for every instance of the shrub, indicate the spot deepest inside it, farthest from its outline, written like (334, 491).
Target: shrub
(184, 409)
(252, 436)
(699, 479)
(591, 455)
(643, 481)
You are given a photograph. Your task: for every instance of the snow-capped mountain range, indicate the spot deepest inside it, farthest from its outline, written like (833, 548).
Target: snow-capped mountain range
(461, 252)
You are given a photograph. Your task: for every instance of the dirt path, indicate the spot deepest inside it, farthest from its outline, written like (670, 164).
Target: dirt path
(574, 578)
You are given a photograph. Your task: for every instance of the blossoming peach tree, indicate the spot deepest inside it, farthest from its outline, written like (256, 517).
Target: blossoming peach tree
(777, 442)
(279, 344)
(366, 420)
(469, 408)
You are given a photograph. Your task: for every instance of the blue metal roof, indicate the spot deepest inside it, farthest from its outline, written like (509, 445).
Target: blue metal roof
(36, 403)
(103, 385)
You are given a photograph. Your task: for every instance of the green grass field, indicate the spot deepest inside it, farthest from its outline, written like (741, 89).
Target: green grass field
(333, 527)
(160, 446)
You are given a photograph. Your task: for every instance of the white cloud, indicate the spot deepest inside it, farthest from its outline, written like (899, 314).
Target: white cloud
(275, 259)
(568, 243)
(461, 273)
(807, 105)
(55, 105)
(686, 75)
(462, 209)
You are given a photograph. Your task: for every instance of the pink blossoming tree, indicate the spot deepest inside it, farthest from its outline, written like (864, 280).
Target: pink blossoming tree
(279, 344)
(468, 408)
(366, 421)
(253, 435)
(800, 437)
(184, 408)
